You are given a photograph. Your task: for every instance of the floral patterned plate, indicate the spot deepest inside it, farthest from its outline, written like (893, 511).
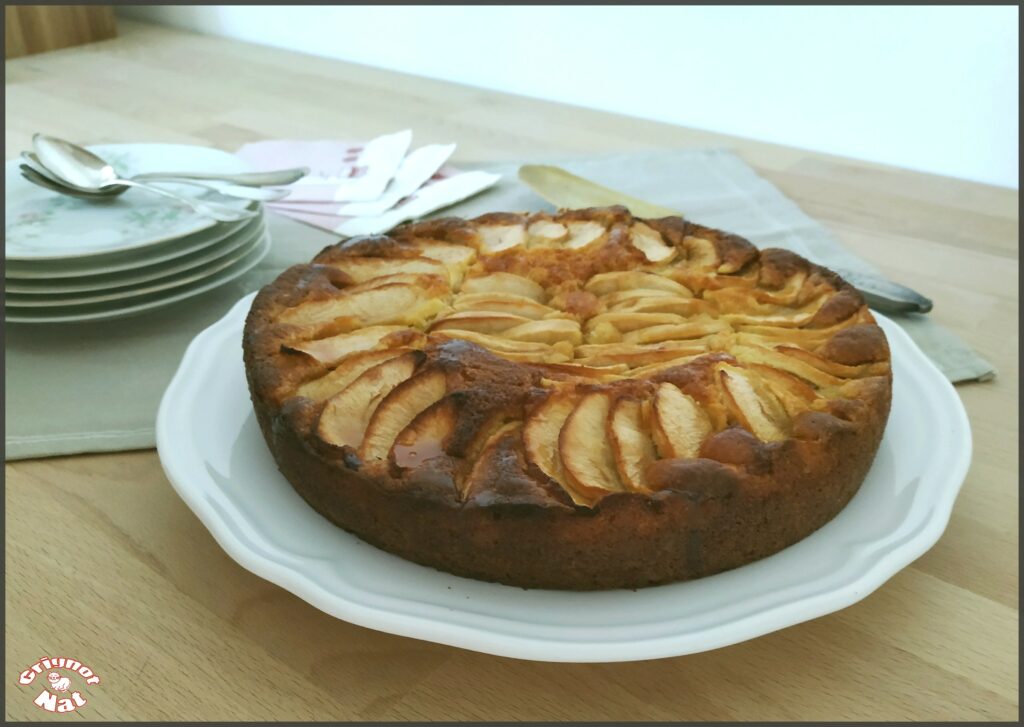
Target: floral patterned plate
(44, 225)
(15, 301)
(71, 271)
(121, 308)
(143, 273)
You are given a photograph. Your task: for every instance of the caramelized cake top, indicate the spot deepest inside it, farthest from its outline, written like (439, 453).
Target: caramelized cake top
(589, 351)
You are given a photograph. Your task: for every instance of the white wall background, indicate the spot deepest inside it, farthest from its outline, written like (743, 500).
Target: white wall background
(933, 89)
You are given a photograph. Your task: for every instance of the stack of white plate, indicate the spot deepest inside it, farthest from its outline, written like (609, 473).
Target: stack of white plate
(71, 259)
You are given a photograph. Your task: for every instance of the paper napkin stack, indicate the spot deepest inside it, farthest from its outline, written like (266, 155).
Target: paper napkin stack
(365, 188)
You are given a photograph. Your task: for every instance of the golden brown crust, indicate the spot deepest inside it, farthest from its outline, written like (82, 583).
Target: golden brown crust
(582, 400)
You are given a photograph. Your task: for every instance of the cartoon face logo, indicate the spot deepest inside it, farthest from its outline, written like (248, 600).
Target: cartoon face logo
(57, 682)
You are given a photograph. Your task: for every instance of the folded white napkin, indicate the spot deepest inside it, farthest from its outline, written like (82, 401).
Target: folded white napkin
(365, 188)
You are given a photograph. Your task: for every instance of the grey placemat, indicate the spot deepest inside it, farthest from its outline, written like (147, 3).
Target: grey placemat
(96, 387)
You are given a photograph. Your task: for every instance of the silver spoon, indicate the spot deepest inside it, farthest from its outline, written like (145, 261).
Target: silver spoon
(83, 170)
(54, 184)
(228, 190)
(239, 191)
(30, 163)
(276, 178)
(47, 182)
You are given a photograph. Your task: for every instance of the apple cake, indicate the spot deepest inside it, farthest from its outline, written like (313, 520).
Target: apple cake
(580, 400)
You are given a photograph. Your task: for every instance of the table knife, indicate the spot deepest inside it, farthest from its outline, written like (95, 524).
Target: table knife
(566, 190)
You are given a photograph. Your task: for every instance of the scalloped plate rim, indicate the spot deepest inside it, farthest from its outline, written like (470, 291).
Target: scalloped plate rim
(125, 307)
(200, 492)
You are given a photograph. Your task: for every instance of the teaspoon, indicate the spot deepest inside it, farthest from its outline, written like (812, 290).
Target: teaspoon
(83, 170)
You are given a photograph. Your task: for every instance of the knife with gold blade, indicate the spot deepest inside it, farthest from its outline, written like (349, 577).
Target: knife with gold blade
(565, 189)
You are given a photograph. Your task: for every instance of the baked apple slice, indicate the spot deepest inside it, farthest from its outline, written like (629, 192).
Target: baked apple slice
(456, 258)
(541, 435)
(504, 283)
(666, 303)
(421, 280)
(361, 269)
(770, 335)
(518, 305)
(831, 367)
(426, 435)
(458, 255)
(700, 253)
(350, 369)
(641, 371)
(484, 456)
(738, 309)
(335, 348)
(790, 294)
(550, 331)
(651, 244)
(583, 233)
(604, 283)
(620, 298)
(627, 321)
(691, 329)
(678, 424)
(478, 321)
(398, 409)
(527, 351)
(756, 409)
(588, 459)
(397, 303)
(772, 357)
(631, 445)
(345, 416)
(546, 233)
(602, 332)
(496, 238)
(795, 394)
(633, 354)
(594, 373)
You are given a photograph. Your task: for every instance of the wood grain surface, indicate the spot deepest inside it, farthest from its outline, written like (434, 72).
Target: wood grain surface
(38, 28)
(105, 563)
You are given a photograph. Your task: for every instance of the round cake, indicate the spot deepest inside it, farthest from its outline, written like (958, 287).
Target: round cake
(580, 400)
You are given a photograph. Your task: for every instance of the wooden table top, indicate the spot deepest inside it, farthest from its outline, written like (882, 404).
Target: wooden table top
(106, 564)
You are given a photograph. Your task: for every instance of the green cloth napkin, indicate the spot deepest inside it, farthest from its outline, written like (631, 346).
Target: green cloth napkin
(95, 387)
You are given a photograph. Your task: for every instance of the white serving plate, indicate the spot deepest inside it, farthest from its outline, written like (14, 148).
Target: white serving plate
(222, 261)
(215, 457)
(121, 308)
(72, 270)
(45, 225)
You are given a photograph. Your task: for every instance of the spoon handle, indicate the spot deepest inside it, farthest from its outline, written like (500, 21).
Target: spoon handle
(219, 212)
(251, 179)
(228, 190)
